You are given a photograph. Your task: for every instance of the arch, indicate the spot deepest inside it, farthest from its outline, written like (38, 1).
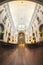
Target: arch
(21, 37)
(37, 1)
(1, 31)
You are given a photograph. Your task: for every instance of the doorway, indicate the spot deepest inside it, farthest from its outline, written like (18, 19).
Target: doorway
(41, 30)
(1, 31)
(21, 38)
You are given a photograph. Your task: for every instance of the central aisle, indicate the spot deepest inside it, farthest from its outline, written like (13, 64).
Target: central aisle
(21, 56)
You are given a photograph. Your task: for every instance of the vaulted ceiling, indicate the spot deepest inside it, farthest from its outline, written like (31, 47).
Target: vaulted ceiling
(21, 13)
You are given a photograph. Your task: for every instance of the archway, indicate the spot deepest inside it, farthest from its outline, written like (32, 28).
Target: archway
(41, 30)
(1, 31)
(21, 37)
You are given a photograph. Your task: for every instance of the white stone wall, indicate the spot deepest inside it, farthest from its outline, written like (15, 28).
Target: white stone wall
(4, 19)
(35, 24)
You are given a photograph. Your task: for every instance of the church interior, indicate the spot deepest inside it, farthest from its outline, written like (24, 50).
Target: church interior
(21, 32)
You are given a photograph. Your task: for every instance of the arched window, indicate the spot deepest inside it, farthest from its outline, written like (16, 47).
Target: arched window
(1, 31)
(41, 30)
